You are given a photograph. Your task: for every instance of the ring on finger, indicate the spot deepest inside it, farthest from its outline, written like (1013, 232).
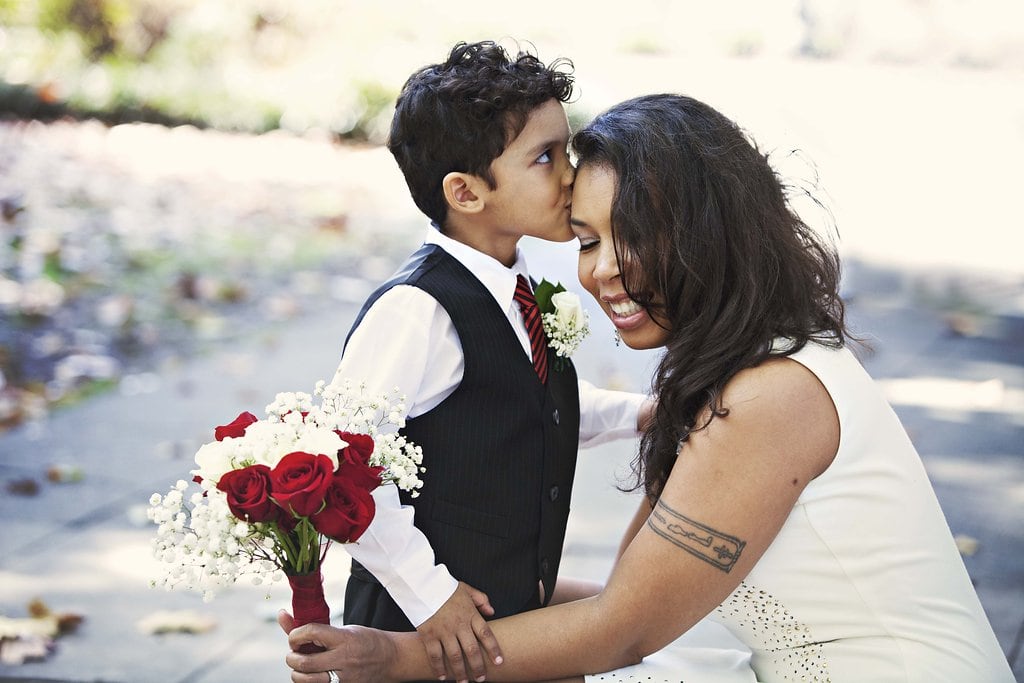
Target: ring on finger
(333, 677)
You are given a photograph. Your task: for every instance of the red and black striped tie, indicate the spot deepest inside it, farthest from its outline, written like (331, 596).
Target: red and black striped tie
(534, 327)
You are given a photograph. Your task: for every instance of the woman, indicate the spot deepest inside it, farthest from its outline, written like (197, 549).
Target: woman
(783, 497)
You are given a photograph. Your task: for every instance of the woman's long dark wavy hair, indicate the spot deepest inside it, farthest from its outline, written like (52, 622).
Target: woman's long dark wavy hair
(714, 251)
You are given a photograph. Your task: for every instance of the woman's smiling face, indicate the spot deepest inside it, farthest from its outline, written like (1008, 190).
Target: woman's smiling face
(593, 194)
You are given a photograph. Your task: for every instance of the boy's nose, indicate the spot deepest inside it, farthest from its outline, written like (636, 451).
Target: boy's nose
(568, 175)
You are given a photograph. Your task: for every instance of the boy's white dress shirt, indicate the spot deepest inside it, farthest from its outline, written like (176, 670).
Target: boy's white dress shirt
(407, 340)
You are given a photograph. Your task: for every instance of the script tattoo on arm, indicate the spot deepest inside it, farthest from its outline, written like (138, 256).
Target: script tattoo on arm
(714, 547)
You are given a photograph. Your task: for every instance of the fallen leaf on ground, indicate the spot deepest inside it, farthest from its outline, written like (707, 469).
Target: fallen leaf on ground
(41, 621)
(23, 487)
(17, 651)
(967, 545)
(66, 621)
(180, 621)
(13, 627)
(64, 474)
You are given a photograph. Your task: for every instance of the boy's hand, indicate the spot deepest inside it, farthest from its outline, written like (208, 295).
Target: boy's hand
(457, 632)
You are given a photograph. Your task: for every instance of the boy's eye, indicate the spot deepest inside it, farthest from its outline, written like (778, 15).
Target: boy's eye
(544, 158)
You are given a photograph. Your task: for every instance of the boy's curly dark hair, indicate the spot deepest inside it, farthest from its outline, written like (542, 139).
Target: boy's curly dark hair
(715, 250)
(458, 116)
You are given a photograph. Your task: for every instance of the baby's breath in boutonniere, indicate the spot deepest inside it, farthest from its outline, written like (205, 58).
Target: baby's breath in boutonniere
(565, 322)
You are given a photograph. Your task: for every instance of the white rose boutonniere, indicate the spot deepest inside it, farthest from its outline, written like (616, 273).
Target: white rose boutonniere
(565, 322)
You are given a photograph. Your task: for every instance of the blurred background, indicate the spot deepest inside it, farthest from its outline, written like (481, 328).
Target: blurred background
(165, 163)
(194, 200)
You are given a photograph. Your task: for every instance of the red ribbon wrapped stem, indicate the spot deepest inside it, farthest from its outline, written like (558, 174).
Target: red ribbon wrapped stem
(309, 605)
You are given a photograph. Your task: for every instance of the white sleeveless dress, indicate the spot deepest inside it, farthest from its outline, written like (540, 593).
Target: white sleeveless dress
(864, 581)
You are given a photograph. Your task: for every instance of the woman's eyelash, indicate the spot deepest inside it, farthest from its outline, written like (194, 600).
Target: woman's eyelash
(586, 246)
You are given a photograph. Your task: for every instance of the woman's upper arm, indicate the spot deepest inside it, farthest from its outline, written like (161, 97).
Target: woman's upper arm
(731, 489)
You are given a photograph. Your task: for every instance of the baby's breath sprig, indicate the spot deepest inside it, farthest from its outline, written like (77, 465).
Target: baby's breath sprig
(565, 322)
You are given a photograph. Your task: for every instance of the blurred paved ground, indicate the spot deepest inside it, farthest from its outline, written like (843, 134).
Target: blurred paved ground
(81, 548)
(956, 378)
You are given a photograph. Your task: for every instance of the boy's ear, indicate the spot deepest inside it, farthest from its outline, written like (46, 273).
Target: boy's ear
(464, 192)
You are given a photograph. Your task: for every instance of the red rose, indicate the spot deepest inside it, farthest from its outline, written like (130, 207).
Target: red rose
(359, 449)
(362, 476)
(236, 428)
(299, 481)
(287, 522)
(248, 492)
(348, 511)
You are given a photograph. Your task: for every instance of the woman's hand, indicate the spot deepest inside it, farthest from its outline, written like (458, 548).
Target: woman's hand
(358, 654)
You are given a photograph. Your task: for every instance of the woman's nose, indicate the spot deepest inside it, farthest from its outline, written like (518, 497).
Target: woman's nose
(606, 267)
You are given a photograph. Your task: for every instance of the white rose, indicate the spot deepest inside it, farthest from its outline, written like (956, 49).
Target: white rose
(214, 459)
(320, 441)
(267, 442)
(568, 309)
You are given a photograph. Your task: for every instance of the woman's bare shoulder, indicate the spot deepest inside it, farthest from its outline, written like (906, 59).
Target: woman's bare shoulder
(779, 409)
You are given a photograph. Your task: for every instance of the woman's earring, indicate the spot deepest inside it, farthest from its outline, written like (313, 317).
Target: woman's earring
(618, 339)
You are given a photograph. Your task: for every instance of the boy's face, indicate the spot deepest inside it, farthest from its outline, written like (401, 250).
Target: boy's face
(534, 178)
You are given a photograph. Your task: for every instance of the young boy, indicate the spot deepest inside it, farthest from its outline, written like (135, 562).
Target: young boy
(481, 140)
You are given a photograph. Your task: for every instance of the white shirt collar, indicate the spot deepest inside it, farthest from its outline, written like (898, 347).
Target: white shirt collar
(499, 280)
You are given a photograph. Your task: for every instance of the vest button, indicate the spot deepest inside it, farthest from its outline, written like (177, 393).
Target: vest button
(553, 493)
(544, 566)
(554, 416)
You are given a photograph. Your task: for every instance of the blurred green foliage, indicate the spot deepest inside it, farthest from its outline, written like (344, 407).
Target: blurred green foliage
(244, 65)
(95, 22)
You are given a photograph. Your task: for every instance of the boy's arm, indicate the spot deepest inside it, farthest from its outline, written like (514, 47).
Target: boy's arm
(568, 589)
(606, 415)
(406, 340)
(399, 555)
(643, 511)
(401, 558)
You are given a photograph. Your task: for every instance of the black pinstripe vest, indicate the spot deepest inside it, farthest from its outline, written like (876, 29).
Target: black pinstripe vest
(500, 454)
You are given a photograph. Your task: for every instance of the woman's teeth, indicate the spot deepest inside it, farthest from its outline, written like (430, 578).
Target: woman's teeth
(625, 308)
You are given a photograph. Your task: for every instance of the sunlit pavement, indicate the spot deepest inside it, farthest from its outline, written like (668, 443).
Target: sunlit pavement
(956, 379)
(84, 547)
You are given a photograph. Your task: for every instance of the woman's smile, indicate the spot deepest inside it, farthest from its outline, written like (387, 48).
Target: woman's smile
(626, 314)
(599, 274)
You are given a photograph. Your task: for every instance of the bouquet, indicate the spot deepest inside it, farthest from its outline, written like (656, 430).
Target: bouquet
(271, 495)
(564, 320)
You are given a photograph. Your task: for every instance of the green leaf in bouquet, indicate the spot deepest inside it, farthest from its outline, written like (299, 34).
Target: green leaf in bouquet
(543, 293)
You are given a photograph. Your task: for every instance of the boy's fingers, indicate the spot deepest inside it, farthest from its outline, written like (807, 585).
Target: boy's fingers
(435, 653)
(453, 652)
(482, 602)
(487, 640)
(474, 656)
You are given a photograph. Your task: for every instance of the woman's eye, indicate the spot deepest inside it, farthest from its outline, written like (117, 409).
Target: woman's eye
(587, 244)
(544, 158)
